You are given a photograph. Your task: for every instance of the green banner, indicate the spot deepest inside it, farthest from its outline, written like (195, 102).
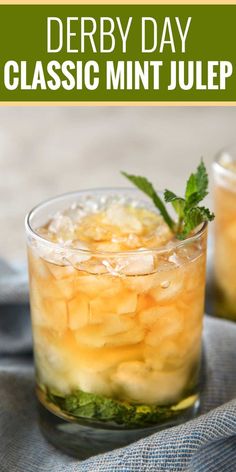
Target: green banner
(117, 53)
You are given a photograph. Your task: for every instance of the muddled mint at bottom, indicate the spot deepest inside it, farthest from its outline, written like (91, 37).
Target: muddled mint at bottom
(79, 404)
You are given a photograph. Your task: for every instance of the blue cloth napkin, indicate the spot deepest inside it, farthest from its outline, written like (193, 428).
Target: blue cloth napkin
(206, 444)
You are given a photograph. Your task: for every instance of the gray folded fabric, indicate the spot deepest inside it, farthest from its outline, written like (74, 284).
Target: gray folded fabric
(13, 283)
(206, 444)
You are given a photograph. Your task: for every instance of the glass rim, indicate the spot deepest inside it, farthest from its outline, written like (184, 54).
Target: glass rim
(51, 244)
(217, 165)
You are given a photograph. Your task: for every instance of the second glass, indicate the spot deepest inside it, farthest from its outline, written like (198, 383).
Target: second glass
(117, 334)
(224, 172)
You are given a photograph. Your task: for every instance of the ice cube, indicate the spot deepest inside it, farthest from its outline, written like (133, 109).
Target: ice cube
(109, 322)
(92, 229)
(67, 287)
(99, 335)
(116, 288)
(167, 354)
(133, 336)
(76, 257)
(38, 266)
(48, 312)
(56, 256)
(99, 310)
(141, 384)
(152, 358)
(62, 226)
(91, 336)
(56, 314)
(137, 264)
(78, 312)
(60, 272)
(149, 316)
(144, 302)
(53, 355)
(46, 286)
(93, 266)
(108, 246)
(119, 215)
(141, 283)
(75, 212)
(170, 349)
(134, 380)
(168, 386)
(36, 301)
(93, 382)
(124, 303)
(91, 205)
(95, 359)
(173, 353)
(93, 285)
(128, 376)
(167, 325)
(57, 382)
(51, 363)
(132, 241)
(117, 324)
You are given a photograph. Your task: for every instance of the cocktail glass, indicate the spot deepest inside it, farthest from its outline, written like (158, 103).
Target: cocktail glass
(117, 334)
(224, 172)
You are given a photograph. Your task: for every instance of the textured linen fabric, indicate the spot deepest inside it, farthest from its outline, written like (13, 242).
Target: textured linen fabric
(13, 283)
(205, 444)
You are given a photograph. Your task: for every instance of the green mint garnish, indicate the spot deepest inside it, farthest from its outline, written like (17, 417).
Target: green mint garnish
(189, 214)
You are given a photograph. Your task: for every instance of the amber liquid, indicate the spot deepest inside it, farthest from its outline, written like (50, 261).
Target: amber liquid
(225, 250)
(136, 337)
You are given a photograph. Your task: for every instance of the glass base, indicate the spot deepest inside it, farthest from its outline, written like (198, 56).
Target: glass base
(82, 440)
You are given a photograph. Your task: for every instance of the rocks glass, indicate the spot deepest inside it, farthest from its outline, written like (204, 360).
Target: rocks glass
(117, 334)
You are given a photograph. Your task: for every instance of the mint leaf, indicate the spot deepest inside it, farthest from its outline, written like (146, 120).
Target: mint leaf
(145, 186)
(169, 196)
(142, 183)
(178, 203)
(80, 404)
(194, 217)
(197, 186)
(107, 409)
(95, 407)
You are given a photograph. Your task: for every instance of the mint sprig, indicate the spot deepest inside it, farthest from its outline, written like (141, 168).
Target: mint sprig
(189, 214)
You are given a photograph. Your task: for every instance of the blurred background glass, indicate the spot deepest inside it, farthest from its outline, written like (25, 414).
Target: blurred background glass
(45, 151)
(224, 175)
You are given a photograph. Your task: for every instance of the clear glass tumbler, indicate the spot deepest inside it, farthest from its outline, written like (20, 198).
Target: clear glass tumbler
(117, 335)
(224, 172)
